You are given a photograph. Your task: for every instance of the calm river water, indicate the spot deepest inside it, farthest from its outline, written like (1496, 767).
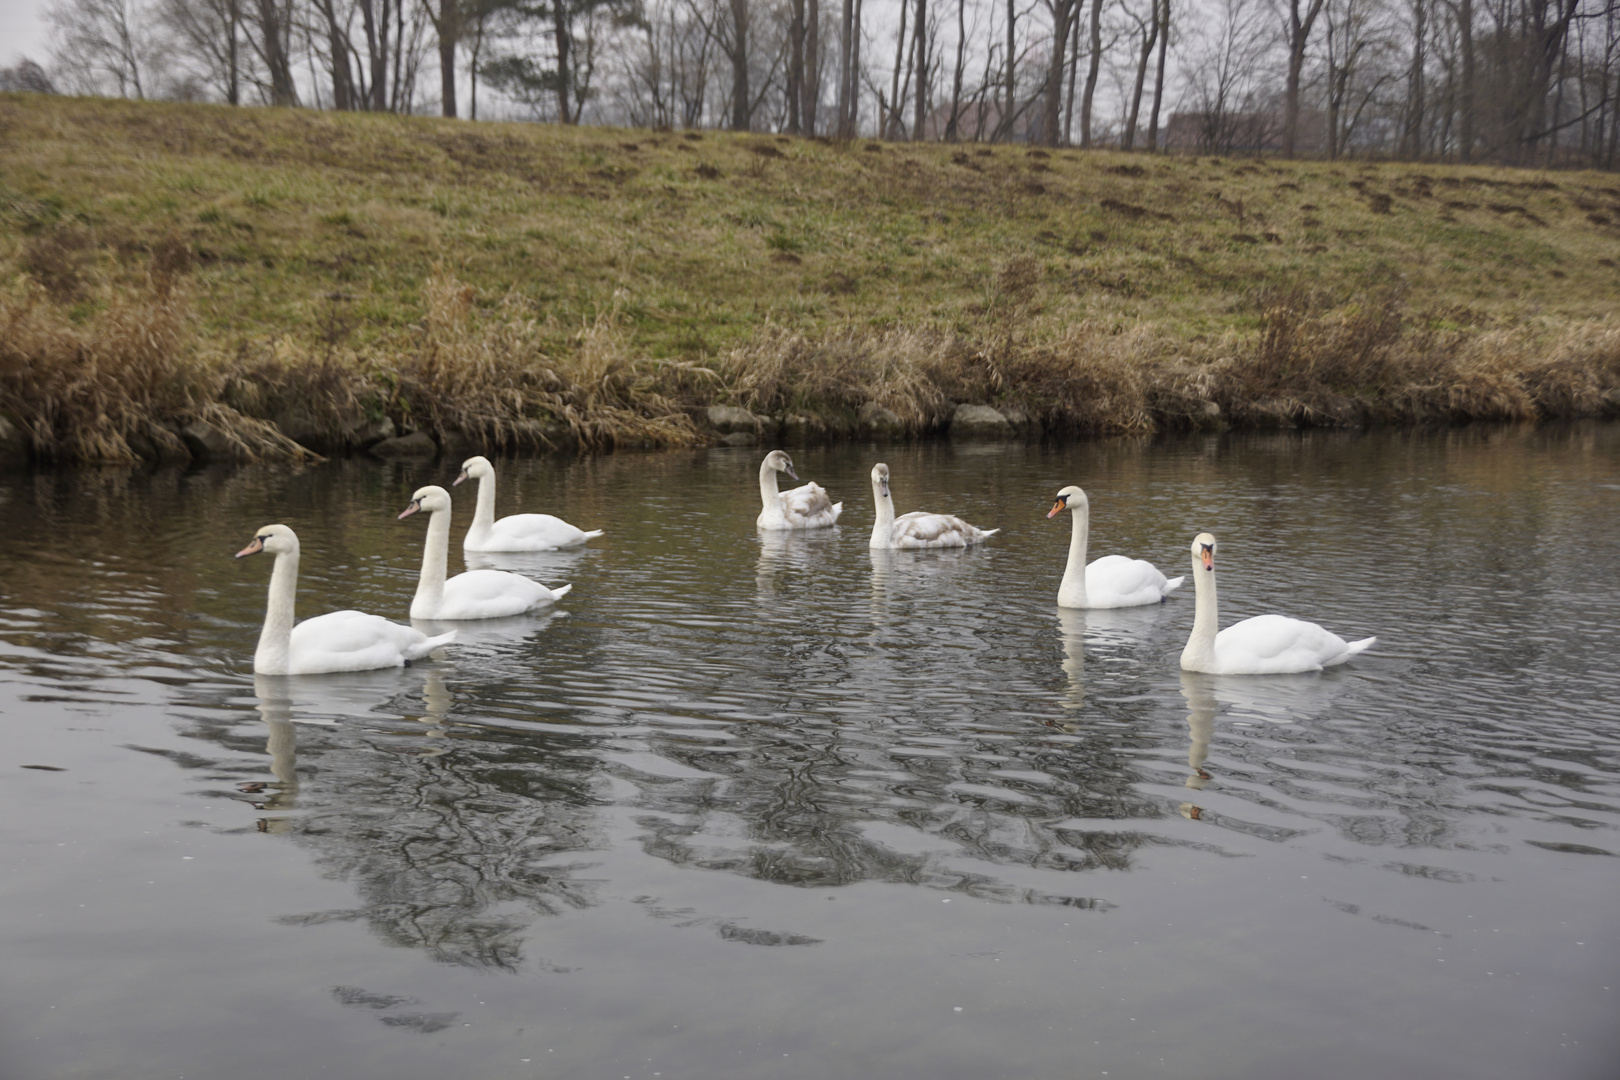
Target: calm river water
(746, 807)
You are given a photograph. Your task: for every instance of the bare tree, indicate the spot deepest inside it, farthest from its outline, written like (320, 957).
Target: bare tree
(1063, 19)
(25, 77)
(1093, 66)
(1158, 78)
(1148, 34)
(1223, 71)
(209, 33)
(1298, 31)
(100, 43)
(447, 27)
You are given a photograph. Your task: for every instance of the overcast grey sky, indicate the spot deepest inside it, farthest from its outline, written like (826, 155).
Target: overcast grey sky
(22, 31)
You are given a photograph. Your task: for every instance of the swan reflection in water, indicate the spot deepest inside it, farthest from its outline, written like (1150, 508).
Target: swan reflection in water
(1072, 624)
(487, 636)
(275, 708)
(286, 700)
(557, 565)
(784, 553)
(1274, 699)
(1102, 630)
(1199, 690)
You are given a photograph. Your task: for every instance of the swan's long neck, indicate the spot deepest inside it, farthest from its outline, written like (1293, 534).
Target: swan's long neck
(484, 513)
(435, 556)
(769, 493)
(884, 525)
(274, 653)
(1199, 655)
(1072, 591)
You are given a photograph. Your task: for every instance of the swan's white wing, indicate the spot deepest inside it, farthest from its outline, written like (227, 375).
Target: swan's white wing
(493, 594)
(1116, 581)
(1276, 645)
(920, 529)
(355, 641)
(532, 532)
(809, 507)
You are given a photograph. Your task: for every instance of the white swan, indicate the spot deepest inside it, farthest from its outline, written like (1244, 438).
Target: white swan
(519, 532)
(1263, 645)
(917, 529)
(807, 507)
(477, 594)
(1113, 581)
(339, 641)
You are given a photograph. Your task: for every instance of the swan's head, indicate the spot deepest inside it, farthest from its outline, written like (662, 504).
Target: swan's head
(475, 468)
(430, 498)
(276, 539)
(779, 461)
(1203, 551)
(1070, 498)
(880, 480)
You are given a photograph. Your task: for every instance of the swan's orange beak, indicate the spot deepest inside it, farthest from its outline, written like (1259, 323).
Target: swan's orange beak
(416, 504)
(252, 549)
(1208, 555)
(1057, 508)
(459, 479)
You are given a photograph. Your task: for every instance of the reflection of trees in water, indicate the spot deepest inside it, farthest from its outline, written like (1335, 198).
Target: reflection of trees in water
(450, 852)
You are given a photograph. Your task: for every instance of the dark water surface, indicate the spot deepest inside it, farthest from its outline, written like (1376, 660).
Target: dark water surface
(753, 808)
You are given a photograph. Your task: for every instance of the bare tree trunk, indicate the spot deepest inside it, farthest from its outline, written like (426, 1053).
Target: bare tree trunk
(343, 91)
(1052, 109)
(376, 25)
(889, 128)
(845, 52)
(1465, 34)
(793, 91)
(953, 125)
(1074, 75)
(448, 28)
(1299, 36)
(810, 80)
(1158, 78)
(233, 20)
(1012, 66)
(472, 62)
(1412, 130)
(1558, 101)
(855, 73)
(1129, 139)
(562, 33)
(274, 31)
(1091, 73)
(920, 38)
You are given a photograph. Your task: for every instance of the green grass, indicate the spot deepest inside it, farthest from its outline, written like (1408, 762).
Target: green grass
(706, 238)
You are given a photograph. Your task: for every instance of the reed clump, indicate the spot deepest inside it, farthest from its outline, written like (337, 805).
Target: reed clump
(472, 375)
(125, 384)
(490, 379)
(1369, 361)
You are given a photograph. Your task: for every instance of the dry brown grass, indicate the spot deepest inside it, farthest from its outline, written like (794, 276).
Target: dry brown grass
(121, 386)
(477, 376)
(1318, 364)
(489, 378)
(134, 378)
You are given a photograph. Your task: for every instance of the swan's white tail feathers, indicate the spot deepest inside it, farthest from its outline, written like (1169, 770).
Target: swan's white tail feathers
(561, 591)
(593, 534)
(838, 508)
(1362, 645)
(1173, 584)
(416, 652)
(990, 532)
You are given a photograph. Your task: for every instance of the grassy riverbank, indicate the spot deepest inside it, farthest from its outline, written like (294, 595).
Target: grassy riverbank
(269, 273)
